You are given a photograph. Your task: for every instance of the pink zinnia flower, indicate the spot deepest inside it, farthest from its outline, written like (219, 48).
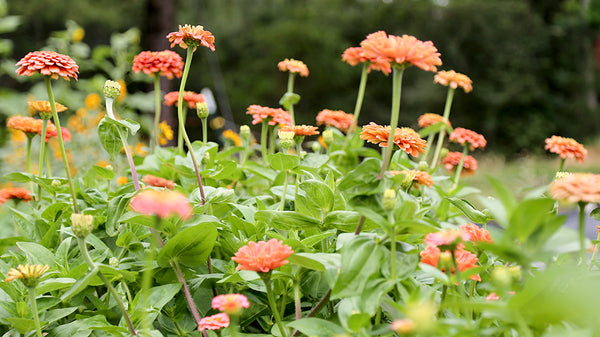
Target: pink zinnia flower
(15, 193)
(566, 148)
(262, 256)
(162, 203)
(466, 137)
(335, 118)
(230, 304)
(452, 159)
(166, 63)
(48, 63)
(214, 322)
(158, 181)
(454, 80)
(274, 116)
(449, 237)
(476, 233)
(190, 97)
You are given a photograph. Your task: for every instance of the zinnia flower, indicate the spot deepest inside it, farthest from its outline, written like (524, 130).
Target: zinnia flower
(454, 80)
(190, 97)
(162, 203)
(405, 138)
(28, 274)
(192, 36)
(26, 124)
(233, 136)
(428, 119)
(566, 148)
(466, 137)
(52, 132)
(449, 237)
(15, 193)
(273, 116)
(400, 50)
(44, 106)
(158, 181)
(356, 55)
(293, 66)
(403, 326)
(230, 304)
(262, 256)
(419, 177)
(48, 63)
(166, 133)
(166, 63)
(214, 322)
(492, 297)
(452, 159)
(336, 118)
(577, 187)
(300, 130)
(476, 233)
(464, 259)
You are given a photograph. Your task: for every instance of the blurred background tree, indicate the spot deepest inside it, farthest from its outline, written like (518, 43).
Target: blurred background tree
(533, 63)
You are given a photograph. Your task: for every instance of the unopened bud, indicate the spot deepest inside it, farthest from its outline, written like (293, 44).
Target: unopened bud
(112, 89)
(316, 147)
(444, 152)
(389, 199)
(423, 166)
(56, 183)
(515, 272)
(328, 137)
(202, 110)
(113, 262)
(245, 133)
(501, 277)
(109, 167)
(408, 180)
(82, 224)
(206, 158)
(286, 139)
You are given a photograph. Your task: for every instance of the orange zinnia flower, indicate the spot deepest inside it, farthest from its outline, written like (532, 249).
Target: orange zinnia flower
(356, 55)
(405, 138)
(273, 116)
(262, 256)
(158, 181)
(15, 193)
(44, 106)
(466, 137)
(335, 118)
(48, 63)
(230, 304)
(428, 119)
(464, 259)
(566, 148)
(192, 36)
(400, 50)
(233, 136)
(454, 80)
(214, 322)
(300, 130)
(476, 233)
(190, 97)
(419, 177)
(26, 124)
(29, 274)
(293, 66)
(167, 63)
(162, 203)
(452, 159)
(576, 187)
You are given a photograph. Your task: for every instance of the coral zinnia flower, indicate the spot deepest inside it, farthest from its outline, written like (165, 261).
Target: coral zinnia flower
(274, 116)
(454, 80)
(158, 181)
(233, 136)
(28, 125)
(262, 256)
(300, 130)
(335, 118)
(400, 50)
(166, 63)
(48, 63)
(44, 106)
(293, 66)
(190, 97)
(452, 159)
(419, 177)
(467, 137)
(576, 187)
(192, 36)
(356, 55)
(214, 322)
(464, 259)
(28, 274)
(162, 203)
(476, 233)
(428, 119)
(230, 304)
(405, 138)
(15, 193)
(449, 237)
(566, 148)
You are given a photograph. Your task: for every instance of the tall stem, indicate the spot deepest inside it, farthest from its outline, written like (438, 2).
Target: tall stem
(61, 144)
(395, 113)
(285, 185)
(186, 70)
(290, 89)
(442, 133)
(268, 284)
(459, 168)
(204, 130)
(595, 251)
(562, 164)
(29, 141)
(42, 152)
(357, 107)
(36, 317)
(263, 141)
(582, 205)
(186, 292)
(157, 110)
(123, 137)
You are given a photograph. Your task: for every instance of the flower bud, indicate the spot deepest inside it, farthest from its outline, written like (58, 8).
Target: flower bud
(82, 224)
(245, 133)
(46, 114)
(389, 199)
(316, 147)
(423, 166)
(515, 272)
(113, 262)
(286, 139)
(112, 89)
(206, 158)
(202, 110)
(444, 152)
(328, 137)
(408, 180)
(56, 183)
(501, 277)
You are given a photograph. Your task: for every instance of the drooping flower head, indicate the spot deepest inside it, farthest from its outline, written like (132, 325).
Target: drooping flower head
(214, 322)
(464, 259)
(160, 63)
(454, 80)
(418, 177)
(48, 63)
(28, 274)
(231, 304)
(273, 116)
(452, 159)
(162, 203)
(18, 193)
(262, 256)
(190, 97)
(576, 187)
(336, 118)
(293, 66)
(192, 36)
(158, 181)
(400, 51)
(166, 133)
(566, 148)
(428, 119)
(406, 139)
(476, 233)
(300, 130)
(466, 137)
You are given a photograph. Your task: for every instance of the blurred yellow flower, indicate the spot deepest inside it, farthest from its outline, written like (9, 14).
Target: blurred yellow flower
(230, 134)
(122, 180)
(123, 90)
(92, 101)
(141, 149)
(78, 34)
(166, 133)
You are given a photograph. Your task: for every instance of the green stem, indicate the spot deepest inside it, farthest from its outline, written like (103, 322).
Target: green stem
(357, 107)
(204, 130)
(186, 292)
(430, 139)
(180, 127)
(459, 168)
(562, 164)
(263, 141)
(42, 152)
(186, 70)
(442, 133)
(582, 205)
(123, 137)
(272, 136)
(157, 110)
(61, 142)
(285, 185)
(595, 252)
(29, 141)
(266, 277)
(396, 94)
(290, 89)
(36, 317)
(297, 297)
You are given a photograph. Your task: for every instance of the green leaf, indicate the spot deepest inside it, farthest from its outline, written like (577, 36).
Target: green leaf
(281, 161)
(54, 284)
(81, 284)
(109, 138)
(37, 254)
(467, 209)
(157, 297)
(54, 315)
(288, 99)
(127, 124)
(314, 198)
(103, 172)
(191, 246)
(305, 260)
(116, 207)
(595, 214)
(343, 220)
(531, 215)
(363, 180)
(317, 327)
(22, 325)
(286, 219)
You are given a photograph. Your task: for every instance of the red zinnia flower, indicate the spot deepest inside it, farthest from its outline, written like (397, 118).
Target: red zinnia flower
(52, 132)
(274, 116)
(566, 148)
(48, 63)
(454, 80)
(167, 63)
(214, 322)
(476, 233)
(428, 119)
(405, 138)
(467, 137)
(300, 130)
(262, 256)
(335, 118)
(230, 304)
(163, 203)
(293, 66)
(464, 259)
(452, 159)
(190, 97)
(15, 193)
(158, 181)
(192, 36)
